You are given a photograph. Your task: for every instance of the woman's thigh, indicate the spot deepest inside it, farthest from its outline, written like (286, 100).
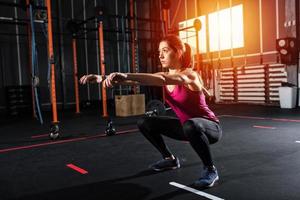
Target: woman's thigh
(164, 125)
(211, 129)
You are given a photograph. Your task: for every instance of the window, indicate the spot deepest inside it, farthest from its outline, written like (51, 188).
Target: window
(226, 30)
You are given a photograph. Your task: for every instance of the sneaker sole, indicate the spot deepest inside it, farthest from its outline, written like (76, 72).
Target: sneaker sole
(207, 186)
(164, 169)
(213, 183)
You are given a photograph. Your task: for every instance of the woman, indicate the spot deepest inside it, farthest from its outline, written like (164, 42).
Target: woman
(184, 93)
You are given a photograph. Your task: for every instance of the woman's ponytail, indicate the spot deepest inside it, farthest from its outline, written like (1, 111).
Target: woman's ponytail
(186, 58)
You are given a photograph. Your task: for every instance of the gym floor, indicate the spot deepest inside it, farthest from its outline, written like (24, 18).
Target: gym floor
(257, 158)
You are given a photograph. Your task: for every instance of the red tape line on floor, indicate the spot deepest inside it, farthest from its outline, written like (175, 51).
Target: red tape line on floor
(40, 136)
(63, 141)
(262, 118)
(78, 169)
(266, 127)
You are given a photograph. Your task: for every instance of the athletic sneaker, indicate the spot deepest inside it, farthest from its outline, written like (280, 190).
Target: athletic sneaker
(208, 179)
(165, 164)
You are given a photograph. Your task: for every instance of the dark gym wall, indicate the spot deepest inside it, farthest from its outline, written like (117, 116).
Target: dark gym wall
(87, 48)
(12, 72)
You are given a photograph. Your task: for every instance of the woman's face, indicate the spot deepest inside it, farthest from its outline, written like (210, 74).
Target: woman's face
(167, 56)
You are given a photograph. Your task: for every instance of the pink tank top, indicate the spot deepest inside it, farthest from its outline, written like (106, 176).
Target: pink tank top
(188, 104)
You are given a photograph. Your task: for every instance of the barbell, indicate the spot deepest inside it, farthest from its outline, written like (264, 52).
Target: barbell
(155, 108)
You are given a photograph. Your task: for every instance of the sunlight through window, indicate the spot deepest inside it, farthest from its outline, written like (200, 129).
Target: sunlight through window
(226, 30)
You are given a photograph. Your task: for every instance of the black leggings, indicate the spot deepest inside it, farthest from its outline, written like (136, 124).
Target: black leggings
(199, 132)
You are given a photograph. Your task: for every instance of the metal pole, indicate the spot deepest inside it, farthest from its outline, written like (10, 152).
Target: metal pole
(127, 41)
(75, 74)
(51, 58)
(298, 37)
(102, 67)
(133, 40)
(29, 58)
(61, 53)
(277, 26)
(18, 47)
(86, 51)
(97, 53)
(260, 32)
(72, 9)
(136, 38)
(118, 44)
(267, 83)
(136, 49)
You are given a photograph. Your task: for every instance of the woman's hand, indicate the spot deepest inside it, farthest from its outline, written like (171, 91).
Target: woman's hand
(113, 78)
(91, 78)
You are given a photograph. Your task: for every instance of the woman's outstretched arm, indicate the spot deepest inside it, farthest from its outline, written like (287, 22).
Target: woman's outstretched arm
(95, 78)
(157, 79)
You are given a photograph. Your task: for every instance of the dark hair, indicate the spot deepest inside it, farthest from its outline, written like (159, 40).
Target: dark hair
(179, 47)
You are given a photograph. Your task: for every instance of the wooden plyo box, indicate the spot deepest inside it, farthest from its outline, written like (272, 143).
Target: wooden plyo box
(130, 105)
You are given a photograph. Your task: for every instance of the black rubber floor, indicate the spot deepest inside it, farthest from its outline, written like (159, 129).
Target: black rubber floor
(257, 158)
